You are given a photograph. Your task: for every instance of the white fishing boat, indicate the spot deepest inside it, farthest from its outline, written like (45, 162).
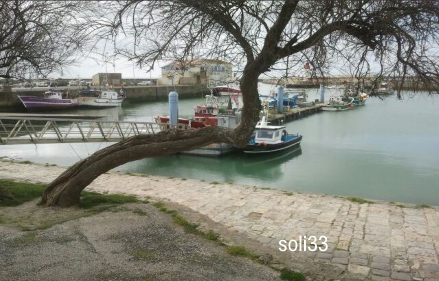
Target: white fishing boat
(384, 89)
(336, 103)
(101, 98)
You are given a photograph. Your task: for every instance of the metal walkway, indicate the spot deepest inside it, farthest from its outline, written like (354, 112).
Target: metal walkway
(19, 130)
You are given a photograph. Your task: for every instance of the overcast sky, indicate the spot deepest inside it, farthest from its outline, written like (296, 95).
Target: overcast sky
(89, 67)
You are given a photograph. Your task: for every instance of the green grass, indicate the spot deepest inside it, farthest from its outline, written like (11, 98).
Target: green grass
(286, 274)
(210, 235)
(25, 192)
(142, 254)
(28, 238)
(359, 200)
(232, 250)
(93, 199)
(140, 212)
(187, 226)
(288, 193)
(241, 251)
(398, 205)
(24, 162)
(160, 206)
(21, 192)
(422, 206)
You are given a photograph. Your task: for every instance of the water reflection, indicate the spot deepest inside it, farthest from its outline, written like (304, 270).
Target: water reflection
(387, 150)
(227, 168)
(267, 166)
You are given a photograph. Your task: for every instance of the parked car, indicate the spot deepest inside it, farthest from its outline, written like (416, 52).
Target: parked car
(83, 83)
(41, 84)
(73, 83)
(145, 83)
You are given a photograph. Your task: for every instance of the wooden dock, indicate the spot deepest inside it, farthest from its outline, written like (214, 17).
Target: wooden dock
(293, 114)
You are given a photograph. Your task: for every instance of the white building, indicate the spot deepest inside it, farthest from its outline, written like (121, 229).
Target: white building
(203, 71)
(102, 79)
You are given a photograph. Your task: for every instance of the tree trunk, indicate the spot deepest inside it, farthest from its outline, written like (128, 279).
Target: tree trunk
(65, 190)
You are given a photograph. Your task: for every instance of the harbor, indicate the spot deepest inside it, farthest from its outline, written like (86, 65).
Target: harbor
(227, 141)
(362, 181)
(386, 148)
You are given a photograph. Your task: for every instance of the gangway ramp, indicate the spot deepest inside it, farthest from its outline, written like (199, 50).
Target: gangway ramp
(19, 130)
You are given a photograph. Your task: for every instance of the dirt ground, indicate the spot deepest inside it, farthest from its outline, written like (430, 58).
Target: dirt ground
(127, 242)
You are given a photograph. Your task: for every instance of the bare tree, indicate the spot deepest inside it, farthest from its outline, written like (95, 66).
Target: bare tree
(399, 35)
(37, 37)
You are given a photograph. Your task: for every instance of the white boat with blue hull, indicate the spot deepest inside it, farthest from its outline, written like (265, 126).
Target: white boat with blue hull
(269, 139)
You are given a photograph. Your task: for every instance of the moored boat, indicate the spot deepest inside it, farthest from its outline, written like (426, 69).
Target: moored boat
(100, 98)
(268, 139)
(294, 97)
(384, 90)
(336, 103)
(226, 90)
(49, 101)
(268, 100)
(218, 149)
(183, 123)
(302, 102)
(359, 97)
(210, 114)
(213, 106)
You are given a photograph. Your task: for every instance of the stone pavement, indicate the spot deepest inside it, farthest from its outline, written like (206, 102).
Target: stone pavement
(378, 241)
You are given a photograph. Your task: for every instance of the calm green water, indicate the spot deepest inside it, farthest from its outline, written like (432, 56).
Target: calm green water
(387, 150)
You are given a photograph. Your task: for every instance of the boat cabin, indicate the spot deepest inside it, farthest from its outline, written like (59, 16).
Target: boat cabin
(53, 95)
(272, 135)
(268, 134)
(384, 87)
(109, 95)
(206, 110)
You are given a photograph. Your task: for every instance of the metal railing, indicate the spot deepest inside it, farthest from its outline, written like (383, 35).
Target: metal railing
(15, 130)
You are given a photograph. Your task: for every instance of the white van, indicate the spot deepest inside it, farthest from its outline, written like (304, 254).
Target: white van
(145, 83)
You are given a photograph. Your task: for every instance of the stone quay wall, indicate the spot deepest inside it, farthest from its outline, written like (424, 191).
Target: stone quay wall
(9, 97)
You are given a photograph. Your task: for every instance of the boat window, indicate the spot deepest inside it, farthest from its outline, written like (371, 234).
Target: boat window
(264, 134)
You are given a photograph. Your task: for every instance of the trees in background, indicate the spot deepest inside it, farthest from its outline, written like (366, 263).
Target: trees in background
(400, 36)
(38, 37)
